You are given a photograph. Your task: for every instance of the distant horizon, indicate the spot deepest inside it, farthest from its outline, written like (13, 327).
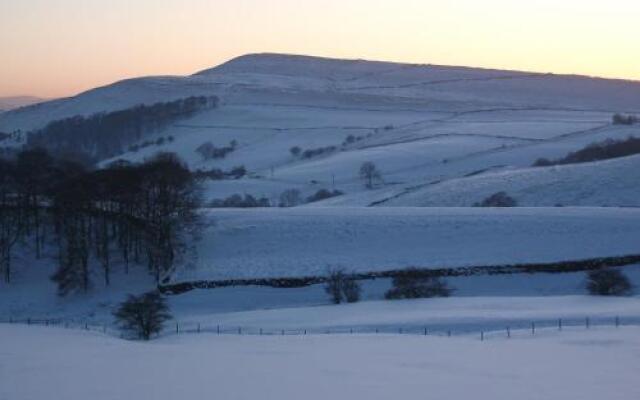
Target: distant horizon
(49, 98)
(59, 49)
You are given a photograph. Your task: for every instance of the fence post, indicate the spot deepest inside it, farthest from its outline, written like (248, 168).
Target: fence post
(28, 321)
(449, 333)
(426, 332)
(239, 331)
(617, 321)
(587, 323)
(351, 331)
(260, 331)
(305, 332)
(177, 328)
(198, 327)
(218, 329)
(376, 330)
(400, 331)
(533, 328)
(560, 324)
(508, 332)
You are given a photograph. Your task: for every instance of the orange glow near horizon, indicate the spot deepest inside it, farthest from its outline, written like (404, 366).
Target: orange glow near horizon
(55, 48)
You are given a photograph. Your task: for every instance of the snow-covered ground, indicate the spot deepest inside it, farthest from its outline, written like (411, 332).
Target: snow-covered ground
(294, 242)
(604, 183)
(39, 363)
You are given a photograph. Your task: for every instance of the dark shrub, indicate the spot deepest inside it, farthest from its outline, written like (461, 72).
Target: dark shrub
(341, 286)
(620, 119)
(500, 199)
(143, 315)
(351, 290)
(237, 201)
(543, 162)
(323, 194)
(295, 151)
(608, 282)
(318, 152)
(415, 284)
(208, 151)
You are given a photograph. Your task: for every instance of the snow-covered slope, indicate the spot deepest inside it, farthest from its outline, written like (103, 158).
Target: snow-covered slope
(304, 242)
(418, 123)
(605, 183)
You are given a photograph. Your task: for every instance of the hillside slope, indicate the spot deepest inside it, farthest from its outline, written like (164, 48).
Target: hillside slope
(304, 242)
(419, 123)
(605, 183)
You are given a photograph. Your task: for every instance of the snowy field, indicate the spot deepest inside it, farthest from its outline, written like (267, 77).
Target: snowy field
(40, 363)
(298, 242)
(605, 183)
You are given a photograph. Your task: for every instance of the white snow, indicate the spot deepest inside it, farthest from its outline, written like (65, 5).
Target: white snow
(418, 123)
(606, 183)
(39, 363)
(262, 243)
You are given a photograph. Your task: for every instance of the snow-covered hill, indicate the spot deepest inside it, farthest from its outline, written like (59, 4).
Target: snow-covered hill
(10, 103)
(605, 183)
(418, 123)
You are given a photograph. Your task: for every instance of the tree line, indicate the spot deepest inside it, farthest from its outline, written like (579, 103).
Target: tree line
(105, 135)
(130, 214)
(604, 150)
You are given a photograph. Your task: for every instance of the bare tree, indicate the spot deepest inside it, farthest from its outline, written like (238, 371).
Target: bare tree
(143, 315)
(369, 173)
(290, 198)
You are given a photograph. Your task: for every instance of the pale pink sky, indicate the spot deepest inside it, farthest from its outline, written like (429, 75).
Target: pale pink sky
(57, 48)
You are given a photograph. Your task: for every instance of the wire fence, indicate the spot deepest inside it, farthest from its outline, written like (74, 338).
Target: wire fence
(481, 330)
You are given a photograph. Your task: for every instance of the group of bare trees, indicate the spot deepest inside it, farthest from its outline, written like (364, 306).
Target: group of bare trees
(133, 214)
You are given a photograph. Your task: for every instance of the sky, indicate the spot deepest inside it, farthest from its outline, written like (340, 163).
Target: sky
(55, 48)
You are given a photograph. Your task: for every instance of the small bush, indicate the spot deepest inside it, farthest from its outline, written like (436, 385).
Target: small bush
(318, 152)
(414, 284)
(351, 290)
(323, 194)
(500, 199)
(209, 151)
(237, 201)
(620, 119)
(342, 287)
(143, 315)
(295, 151)
(608, 282)
(216, 174)
(543, 162)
